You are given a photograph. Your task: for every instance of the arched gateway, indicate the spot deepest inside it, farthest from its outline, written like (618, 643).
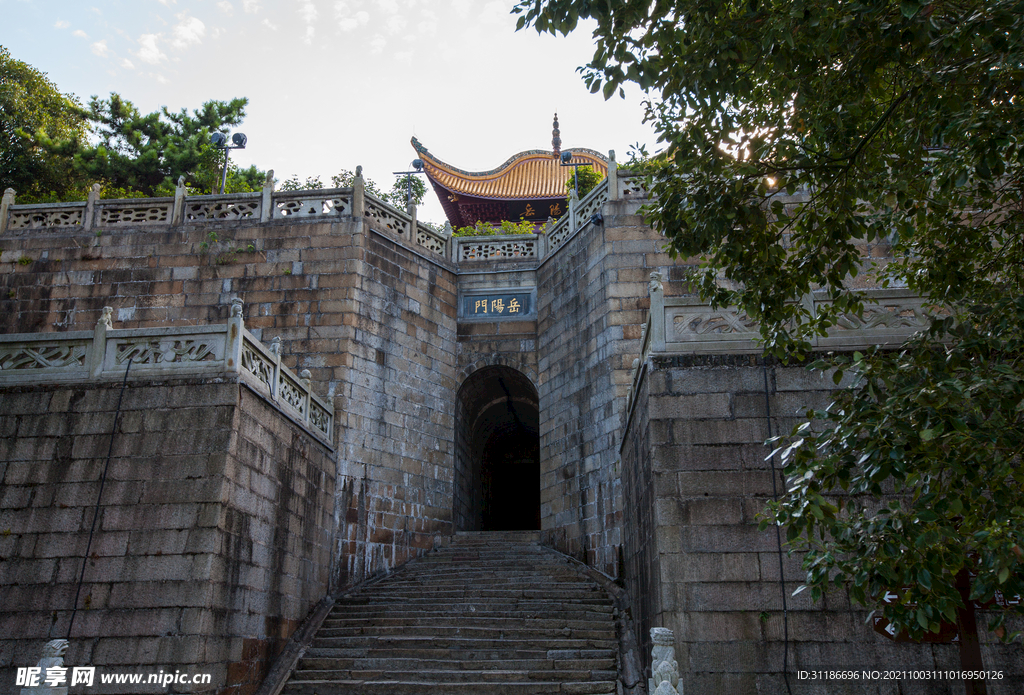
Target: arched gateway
(497, 452)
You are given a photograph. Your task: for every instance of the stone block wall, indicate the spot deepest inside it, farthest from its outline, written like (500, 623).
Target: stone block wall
(213, 536)
(591, 304)
(395, 408)
(371, 315)
(714, 578)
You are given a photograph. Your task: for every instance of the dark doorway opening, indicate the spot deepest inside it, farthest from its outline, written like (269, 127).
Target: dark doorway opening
(497, 458)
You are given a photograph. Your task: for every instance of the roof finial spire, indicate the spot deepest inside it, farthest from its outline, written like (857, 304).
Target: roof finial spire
(556, 142)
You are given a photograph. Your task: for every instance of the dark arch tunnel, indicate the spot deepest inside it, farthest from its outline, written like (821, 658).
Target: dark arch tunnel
(497, 452)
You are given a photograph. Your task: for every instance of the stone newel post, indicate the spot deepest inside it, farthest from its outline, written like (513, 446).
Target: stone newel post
(664, 668)
(5, 204)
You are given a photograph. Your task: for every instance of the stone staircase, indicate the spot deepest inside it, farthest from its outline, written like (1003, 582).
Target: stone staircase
(492, 613)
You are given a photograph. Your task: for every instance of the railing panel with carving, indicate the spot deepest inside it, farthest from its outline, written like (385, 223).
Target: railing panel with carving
(193, 351)
(112, 213)
(500, 247)
(290, 392)
(316, 203)
(630, 186)
(36, 217)
(429, 239)
(156, 352)
(237, 206)
(387, 216)
(319, 418)
(256, 362)
(591, 203)
(889, 318)
(52, 355)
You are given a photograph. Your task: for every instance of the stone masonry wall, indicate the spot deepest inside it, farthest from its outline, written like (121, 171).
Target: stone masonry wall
(591, 303)
(717, 577)
(372, 319)
(212, 541)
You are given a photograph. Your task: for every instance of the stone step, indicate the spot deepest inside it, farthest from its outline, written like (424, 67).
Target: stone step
(450, 642)
(454, 676)
(490, 614)
(475, 632)
(539, 622)
(423, 687)
(409, 663)
(427, 653)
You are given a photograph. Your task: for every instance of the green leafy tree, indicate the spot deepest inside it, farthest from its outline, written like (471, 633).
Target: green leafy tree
(796, 136)
(397, 196)
(583, 177)
(149, 152)
(32, 108)
(482, 228)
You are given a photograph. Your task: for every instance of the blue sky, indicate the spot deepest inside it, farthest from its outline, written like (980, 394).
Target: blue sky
(335, 83)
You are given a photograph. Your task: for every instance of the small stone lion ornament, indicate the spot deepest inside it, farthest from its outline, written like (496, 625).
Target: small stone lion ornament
(53, 657)
(664, 668)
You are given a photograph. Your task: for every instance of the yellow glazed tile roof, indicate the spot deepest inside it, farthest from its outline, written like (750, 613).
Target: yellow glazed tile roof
(527, 175)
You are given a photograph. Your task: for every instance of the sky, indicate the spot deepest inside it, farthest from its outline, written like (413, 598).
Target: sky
(336, 83)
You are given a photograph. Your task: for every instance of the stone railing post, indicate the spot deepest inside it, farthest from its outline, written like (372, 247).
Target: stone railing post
(5, 204)
(664, 667)
(306, 379)
(657, 292)
(267, 204)
(89, 216)
(275, 350)
(613, 176)
(233, 344)
(411, 209)
(449, 241)
(99, 341)
(178, 212)
(574, 202)
(358, 194)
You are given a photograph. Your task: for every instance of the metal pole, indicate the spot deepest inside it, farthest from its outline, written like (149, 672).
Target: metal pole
(224, 177)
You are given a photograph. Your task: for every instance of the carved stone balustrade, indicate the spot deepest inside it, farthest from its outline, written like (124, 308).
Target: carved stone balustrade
(190, 351)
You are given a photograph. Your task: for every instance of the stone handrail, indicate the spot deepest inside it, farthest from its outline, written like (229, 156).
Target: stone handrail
(686, 325)
(267, 205)
(518, 247)
(104, 353)
(96, 213)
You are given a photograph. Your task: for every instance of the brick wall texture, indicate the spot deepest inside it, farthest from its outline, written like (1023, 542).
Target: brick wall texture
(212, 540)
(695, 445)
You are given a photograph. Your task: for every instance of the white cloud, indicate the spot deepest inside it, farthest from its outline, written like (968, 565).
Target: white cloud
(148, 51)
(462, 6)
(269, 25)
(428, 25)
(125, 63)
(61, 24)
(377, 44)
(494, 12)
(308, 12)
(395, 24)
(187, 32)
(310, 33)
(251, 6)
(389, 6)
(100, 48)
(167, 3)
(348, 20)
(79, 33)
(226, 7)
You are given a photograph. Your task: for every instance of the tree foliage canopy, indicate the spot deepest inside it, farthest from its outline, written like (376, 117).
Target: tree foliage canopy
(31, 107)
(797, 135)
(149, 152)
